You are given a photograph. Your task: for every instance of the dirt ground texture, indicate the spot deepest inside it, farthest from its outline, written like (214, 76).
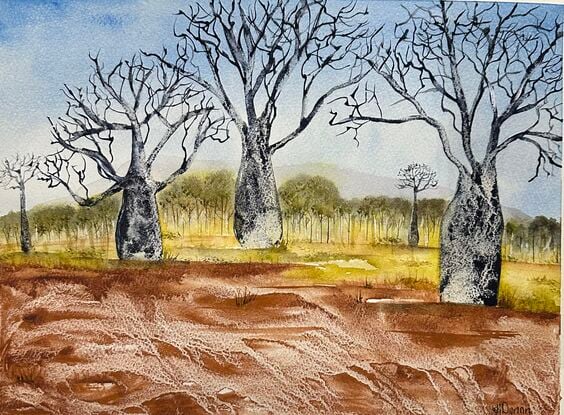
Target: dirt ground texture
(199, 338)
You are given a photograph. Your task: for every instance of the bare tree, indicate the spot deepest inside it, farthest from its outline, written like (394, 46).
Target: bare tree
(484, 77)
(15, 173)
(143, 105)
(252, 55)
(418, 177)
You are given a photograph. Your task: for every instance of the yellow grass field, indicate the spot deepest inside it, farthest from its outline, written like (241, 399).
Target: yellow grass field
(524, 286)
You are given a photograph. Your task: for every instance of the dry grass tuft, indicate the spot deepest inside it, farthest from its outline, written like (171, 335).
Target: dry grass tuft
(169, 256)
(415, 282)
(359, 299)
(244, 297)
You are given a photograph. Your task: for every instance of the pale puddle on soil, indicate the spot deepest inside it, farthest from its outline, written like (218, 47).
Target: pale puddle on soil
(393, 300)
(99, 386)
(226, 391)
(344, 263)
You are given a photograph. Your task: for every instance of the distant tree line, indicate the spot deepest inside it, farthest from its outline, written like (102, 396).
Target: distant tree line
(314, 211)
(64, 223)
(201, 204)
(537, 240)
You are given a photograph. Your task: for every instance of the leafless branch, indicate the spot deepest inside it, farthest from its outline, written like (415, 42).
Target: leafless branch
(141, 102)
(265, 44)
(16, 171)
(418, 177)
(470, 56)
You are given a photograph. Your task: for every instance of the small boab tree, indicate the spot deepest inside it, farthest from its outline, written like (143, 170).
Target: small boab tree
(483, 78)
(255, 58)
(418, 177)
(142, 106)
(15, 173)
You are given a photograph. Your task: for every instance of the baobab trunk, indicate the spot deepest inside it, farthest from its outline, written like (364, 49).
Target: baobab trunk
(25, 237)
(471, 234)
(413, 238)
(138, 231)
(258, 218)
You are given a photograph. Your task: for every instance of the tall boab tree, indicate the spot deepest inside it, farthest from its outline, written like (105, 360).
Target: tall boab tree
(15, 173)
(142, 105)
(492, 75)
(251, 55)
(418, 177)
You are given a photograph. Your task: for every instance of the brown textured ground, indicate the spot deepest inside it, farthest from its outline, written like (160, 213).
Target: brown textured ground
(171, 340)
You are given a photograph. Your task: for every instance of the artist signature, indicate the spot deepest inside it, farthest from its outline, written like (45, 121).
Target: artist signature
(505, 408)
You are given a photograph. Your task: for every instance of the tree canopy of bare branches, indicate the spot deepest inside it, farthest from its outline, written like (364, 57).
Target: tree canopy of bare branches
(473, 58)
(140, 97)
(264, 44)
(15, 172)
(418, 177)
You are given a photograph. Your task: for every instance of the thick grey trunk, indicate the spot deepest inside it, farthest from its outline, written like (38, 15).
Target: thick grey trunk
(413, 237)
(138, 231)
(25, 236)
(258, 218)
(471, 234)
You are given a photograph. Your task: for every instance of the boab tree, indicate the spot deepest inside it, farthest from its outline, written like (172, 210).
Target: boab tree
(418, 177)
(15, 173)
(252, 58)
(142, 106)
(485, 77)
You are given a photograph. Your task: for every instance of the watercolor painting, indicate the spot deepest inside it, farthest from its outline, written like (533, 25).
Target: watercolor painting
(280, 207)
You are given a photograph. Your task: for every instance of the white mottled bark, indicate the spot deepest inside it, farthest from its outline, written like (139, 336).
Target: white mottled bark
(138, 231)
(25, 236)
(471, 235)
(258, 218)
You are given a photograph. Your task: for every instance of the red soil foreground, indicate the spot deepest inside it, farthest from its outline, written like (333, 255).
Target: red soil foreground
(171, 339)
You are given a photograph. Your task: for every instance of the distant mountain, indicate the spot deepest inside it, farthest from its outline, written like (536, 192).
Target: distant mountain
(515, 214)
(351, 183)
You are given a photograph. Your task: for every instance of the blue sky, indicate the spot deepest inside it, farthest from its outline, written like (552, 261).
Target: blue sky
(45, 43)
